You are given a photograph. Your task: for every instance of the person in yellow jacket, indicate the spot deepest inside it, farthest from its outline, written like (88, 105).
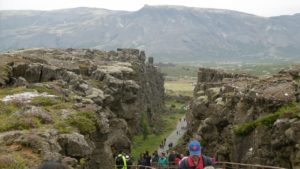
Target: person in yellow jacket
(121, 161)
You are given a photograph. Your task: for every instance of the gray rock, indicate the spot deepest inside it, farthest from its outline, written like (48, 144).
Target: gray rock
(68, 161)
(33, 111)
(75, 145)
(20, 81)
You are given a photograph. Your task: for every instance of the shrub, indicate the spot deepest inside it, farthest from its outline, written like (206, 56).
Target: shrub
(145, 126)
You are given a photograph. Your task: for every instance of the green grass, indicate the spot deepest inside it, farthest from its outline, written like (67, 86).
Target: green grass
(153, 141)
(268, 120)
(13, 90)
(45, 101)
(43, 88)
(85, 122)
(174, 105)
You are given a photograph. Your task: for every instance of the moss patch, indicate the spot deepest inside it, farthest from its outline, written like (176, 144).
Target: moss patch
(268, 120)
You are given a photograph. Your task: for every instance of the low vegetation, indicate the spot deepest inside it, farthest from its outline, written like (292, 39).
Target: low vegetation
(12, 161)
(13, 90)
(85, 122)
(268, 120)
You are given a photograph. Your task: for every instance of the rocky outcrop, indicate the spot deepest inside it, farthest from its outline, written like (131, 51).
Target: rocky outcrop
(247, 119)
(99, 100)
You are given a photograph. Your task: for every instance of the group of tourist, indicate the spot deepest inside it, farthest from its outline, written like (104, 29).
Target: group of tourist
(194, 160)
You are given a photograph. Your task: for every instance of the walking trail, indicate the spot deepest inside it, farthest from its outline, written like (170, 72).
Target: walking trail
(175, 135)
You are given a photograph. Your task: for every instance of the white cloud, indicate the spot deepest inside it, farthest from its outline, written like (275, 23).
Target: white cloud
(258, 7)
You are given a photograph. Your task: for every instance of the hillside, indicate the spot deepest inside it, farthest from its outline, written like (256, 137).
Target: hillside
(168, 33)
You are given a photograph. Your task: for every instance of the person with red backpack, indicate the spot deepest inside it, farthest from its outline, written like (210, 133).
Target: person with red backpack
(196, 160)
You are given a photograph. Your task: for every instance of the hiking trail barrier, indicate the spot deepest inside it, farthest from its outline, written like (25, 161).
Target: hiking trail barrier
(217, 165)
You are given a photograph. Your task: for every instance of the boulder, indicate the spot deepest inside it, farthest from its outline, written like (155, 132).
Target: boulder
(32, 111)
(75, 145)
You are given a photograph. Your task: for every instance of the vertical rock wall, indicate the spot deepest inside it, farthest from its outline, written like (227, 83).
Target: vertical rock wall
(233, 116)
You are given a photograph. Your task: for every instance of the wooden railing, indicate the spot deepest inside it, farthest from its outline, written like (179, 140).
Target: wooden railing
(217, 165)
(231, 165)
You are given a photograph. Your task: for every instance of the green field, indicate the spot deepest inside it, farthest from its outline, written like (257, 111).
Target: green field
(183, 87)
(179, 71)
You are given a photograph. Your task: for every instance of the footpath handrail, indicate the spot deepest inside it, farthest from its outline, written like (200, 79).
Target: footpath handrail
(232, 165)
(137, 166)
(217, 165)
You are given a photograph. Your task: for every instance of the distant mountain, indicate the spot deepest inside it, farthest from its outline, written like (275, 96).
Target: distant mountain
(169, 33)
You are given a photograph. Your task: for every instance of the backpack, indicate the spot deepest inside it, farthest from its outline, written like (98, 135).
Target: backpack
(206, 161)
(119, 161)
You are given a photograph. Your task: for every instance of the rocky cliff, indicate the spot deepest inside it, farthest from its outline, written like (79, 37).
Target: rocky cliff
(247, 119)
(78, 106)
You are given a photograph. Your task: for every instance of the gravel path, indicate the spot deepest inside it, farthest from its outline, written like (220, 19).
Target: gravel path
(175, 135)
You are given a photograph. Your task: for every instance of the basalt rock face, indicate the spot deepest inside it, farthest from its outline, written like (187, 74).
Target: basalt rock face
(240, 118)
(102, 96)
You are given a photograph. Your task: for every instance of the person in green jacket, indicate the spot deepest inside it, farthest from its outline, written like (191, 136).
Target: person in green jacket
(121, 161)
(162, 161)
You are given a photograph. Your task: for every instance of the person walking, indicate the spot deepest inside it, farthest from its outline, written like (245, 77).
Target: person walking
(171, 158)
(147, 158)
(195, 160)
(121, 161)
(155, 158)
(141, 161)
(162, 161)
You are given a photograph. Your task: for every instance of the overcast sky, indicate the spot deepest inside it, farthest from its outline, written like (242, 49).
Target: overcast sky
(258, 7)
